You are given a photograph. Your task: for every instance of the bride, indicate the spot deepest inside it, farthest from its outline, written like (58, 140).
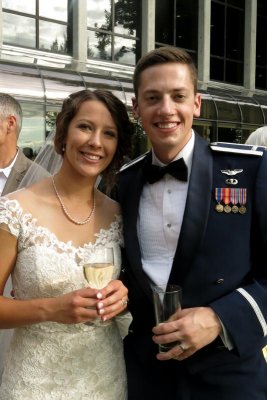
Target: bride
(60, 349)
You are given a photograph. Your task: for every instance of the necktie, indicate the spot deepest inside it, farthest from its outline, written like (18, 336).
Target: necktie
(154, 173)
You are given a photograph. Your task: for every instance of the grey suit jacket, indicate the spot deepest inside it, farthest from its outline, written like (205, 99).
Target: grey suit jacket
(18, 171)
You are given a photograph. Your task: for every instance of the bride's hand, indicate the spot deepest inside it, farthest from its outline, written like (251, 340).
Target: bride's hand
(114, 300)
(75, 307)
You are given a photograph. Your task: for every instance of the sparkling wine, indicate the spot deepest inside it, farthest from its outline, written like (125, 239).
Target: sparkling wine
(98, 275)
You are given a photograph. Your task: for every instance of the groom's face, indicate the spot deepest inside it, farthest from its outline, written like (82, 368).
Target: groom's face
(166, 103)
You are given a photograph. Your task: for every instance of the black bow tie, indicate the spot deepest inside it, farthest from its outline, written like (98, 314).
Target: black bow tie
(154, 173)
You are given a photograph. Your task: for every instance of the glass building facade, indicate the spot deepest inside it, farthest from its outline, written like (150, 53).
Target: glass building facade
(49, 49)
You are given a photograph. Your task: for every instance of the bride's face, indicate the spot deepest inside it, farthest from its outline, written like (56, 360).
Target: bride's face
(92, 139)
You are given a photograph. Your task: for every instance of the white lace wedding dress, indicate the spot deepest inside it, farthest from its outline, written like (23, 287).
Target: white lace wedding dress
(52, 361)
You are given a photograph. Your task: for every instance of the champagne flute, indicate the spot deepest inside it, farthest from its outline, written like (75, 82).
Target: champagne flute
(99, 267)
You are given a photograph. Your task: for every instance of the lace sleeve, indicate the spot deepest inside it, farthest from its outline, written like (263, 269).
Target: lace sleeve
(9, 216)
(113, 234)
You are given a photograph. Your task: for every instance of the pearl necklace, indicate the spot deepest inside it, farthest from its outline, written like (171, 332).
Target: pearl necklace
(67, 213)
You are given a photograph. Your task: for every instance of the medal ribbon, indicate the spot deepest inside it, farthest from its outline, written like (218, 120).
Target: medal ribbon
(242, 198)
(218, 194)
(234, 195)
(226, 195)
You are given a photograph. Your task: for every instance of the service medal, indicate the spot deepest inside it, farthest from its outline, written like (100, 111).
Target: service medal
(227, 209)
(235, 209)
(242, 209)
(234, 200)
(219, 207)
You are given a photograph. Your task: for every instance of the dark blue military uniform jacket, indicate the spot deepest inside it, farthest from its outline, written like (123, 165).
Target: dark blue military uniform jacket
(220, 262)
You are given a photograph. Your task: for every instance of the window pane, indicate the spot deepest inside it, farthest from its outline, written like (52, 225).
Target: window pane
(216, 69)
(262, 7)
(187, 24)
(124, 50)
(56, 9)
(251, 113)
(164, 31)
(52, 37)
(208, 110)
(229, 134)
(235, 34)
(126, 17)
(234, 72)
(27, 7)
(261, 44)
(101, 82)
(59, 85)
(33, 127)
(99, 14)
(263, 102)
(20, 81)
(99, 45)
(261, 78)
(227, 107)
(205, 129)
(50, 118)
(217, 29)
(128, 91)
(261, 48)
(237, 3)
(18, 30)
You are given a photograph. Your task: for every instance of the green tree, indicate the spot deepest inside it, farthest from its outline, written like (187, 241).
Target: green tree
(125, 14)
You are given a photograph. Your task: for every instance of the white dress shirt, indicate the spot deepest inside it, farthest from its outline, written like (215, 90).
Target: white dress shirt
(160, 218)
(5, 172)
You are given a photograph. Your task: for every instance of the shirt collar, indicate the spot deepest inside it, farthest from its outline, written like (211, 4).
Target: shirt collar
(186, 153)
(6, 171)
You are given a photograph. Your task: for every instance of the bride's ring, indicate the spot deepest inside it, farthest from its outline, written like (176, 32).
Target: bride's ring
(124, 302)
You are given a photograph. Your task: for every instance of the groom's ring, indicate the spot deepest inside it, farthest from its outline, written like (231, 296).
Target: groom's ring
(124, 302)
(182, 347)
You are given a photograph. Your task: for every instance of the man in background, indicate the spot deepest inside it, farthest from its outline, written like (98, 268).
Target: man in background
(13, 163)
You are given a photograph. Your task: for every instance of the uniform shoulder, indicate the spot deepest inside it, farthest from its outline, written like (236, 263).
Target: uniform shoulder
(133, 163)
(237, 148)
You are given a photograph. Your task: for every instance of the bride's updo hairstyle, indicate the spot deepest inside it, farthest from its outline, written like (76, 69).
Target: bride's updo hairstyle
(117, 109)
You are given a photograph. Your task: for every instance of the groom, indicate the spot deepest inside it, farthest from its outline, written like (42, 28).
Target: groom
(202, 224)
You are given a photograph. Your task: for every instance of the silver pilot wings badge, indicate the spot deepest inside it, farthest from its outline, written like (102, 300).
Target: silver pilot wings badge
(231, 172)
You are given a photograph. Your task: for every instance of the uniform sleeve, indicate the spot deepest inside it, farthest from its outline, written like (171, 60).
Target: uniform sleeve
(10, 216)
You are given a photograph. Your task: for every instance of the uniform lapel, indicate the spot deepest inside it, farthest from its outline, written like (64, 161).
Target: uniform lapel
(130, 199)
(196, 211)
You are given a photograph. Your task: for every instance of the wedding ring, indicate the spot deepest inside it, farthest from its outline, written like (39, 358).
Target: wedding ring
(124, 302)
(182, 347)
